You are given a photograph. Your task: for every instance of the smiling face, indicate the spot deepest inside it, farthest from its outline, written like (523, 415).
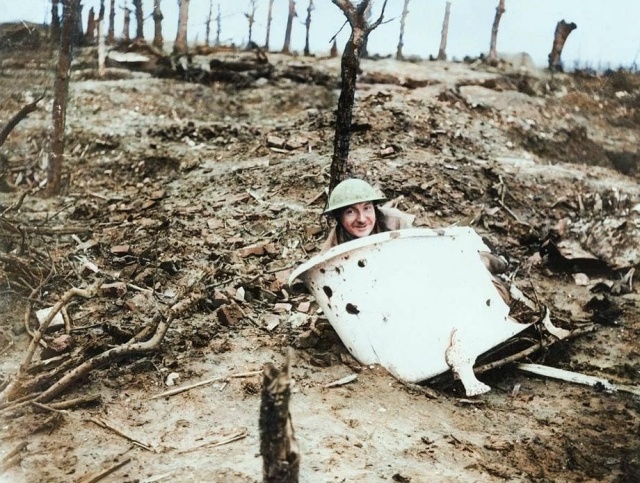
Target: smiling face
(359, 219)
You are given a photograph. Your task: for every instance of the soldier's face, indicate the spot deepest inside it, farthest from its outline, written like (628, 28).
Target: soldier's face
(359, 219)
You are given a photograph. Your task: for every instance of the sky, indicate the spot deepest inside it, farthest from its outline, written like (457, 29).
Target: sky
(607, 35)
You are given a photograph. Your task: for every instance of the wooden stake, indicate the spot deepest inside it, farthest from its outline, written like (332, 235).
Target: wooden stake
(278, 446)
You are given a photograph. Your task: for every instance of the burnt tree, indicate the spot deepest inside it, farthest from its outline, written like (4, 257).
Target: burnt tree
(403, 19)
(137, 4)
(90, 35)
(218, 26)
(442, 51)
(364, 50)
(111, 32)
(126, 24)
(307, 24)
(180, 45)
(278, 445)
(287, 32)
(360, 30)
(333, 52)
(251, 18)
(493, 52)
(70, 14)
(158, 40)
(55, 21)
(102, 49)
(269, 20)
(77, 32)
(207, 34)
(563, 29)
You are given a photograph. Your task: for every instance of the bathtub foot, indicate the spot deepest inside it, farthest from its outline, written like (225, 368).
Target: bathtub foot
(461, 363)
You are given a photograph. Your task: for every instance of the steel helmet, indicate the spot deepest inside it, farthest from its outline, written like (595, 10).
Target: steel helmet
(352, 191)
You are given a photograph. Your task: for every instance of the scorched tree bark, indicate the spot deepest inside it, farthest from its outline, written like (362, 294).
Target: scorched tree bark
(563, 29)
(60, 90)
(403, 19)
(180, 46)
(139, 20)
(158, 40)
(269, 20)
(493, 52)
(287, 33)
(442, 51)
(360, 30)
(307, 25)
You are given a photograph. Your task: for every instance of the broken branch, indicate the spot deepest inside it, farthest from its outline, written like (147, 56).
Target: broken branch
(125, 350)
(20, 115)
(178, 390)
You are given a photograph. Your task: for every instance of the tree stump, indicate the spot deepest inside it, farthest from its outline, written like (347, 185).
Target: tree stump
(278, 445)
(563, 29)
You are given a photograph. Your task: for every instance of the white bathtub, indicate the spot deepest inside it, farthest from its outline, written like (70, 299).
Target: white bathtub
(418, 301)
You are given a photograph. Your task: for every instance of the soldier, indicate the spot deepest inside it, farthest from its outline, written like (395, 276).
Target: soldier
(355, 206)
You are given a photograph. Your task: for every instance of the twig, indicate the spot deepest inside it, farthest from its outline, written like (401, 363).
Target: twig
(15, 205)
(178, 390)
(98, 476)
(577, 378)
(425, 391)
(9, 344)
(153, 479)
(343, 381)
(530, 350)
(47, 408)
(515, 217)
(104, 424)
(56, 230)
(212, 444)
(14, 451)
(78, 401)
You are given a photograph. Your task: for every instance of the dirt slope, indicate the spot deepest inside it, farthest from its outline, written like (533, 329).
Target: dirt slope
(217, 189)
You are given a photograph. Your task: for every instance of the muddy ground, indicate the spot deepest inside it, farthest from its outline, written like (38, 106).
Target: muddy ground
(176, 188)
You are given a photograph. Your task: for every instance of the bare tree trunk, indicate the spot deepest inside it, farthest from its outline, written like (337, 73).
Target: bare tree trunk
(287, 33)
(126, 24)
(364, 50)
(208, 28)
(307, 25)
(334, 49)
(55, 21)
(360, 30)
(493, 53)
(180, 46)
(158, 40)
(137, 4)
(61, 88)
(218, 26)
(278, 445)
(102, 50)
(269, 19)
(442, 51)
(111, 34)
(251, 18)
(77, 36)
(90, 35)
(403, 18)
(563, 29)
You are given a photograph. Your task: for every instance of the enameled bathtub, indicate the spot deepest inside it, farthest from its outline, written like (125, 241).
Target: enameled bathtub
(418, 301)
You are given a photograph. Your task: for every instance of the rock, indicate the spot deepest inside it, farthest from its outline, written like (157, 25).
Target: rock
(116, 289)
